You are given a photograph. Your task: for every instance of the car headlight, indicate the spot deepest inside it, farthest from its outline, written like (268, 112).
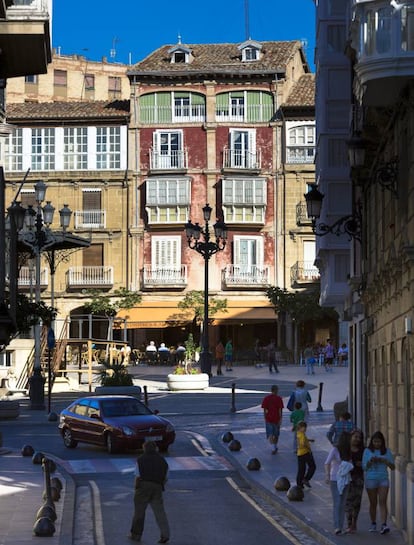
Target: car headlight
(126, 430)
(169, 428)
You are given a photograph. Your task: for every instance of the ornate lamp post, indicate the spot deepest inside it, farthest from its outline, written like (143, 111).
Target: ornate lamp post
(198, 239)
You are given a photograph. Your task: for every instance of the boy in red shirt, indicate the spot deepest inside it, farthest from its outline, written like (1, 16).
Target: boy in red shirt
(272, 406)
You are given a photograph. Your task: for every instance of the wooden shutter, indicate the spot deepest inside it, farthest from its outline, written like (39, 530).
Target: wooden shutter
(93, 256)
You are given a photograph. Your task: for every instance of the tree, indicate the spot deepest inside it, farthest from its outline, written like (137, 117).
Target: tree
(102, 304)
(194, 301)
(301, 306)
(28, 313)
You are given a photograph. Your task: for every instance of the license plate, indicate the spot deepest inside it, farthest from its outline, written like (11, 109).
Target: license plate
(154, 438)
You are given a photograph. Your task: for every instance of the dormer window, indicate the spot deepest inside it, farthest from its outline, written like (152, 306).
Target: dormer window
(250, 51)
(180, 55)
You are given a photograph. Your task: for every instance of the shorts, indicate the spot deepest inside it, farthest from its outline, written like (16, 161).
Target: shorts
(272, 429)
(376, 483)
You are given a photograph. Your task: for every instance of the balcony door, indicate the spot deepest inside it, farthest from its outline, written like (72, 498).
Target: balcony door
(166, 254)
(168, 148)
(92, 207)
(243, 148)
(248, 255)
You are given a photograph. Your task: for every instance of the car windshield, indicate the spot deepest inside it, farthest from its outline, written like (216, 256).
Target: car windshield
(124, 407)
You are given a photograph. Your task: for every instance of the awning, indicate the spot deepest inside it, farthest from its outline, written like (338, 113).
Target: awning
(160, 314)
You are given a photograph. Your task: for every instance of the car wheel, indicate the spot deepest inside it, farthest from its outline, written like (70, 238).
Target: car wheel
(111, 446)
(68, 440)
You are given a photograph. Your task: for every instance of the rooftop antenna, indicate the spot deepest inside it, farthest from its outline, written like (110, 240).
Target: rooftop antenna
(246, 17)
(112, 52)
(179, 38)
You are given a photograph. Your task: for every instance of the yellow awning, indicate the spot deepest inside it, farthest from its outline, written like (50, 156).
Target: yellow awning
(160, 314)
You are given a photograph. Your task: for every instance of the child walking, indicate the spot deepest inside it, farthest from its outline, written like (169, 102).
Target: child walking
(297, 415)
(306, 462)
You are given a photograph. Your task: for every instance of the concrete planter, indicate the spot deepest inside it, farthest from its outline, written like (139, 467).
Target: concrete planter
(188, 382)
(9, 409)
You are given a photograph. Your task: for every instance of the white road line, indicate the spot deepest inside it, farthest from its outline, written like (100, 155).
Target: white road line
(96, 498)
(272, 521)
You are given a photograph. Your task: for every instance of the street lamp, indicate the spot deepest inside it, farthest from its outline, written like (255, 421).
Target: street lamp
(198, 239)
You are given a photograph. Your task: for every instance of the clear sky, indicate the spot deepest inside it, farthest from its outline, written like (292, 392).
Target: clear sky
(134, 28)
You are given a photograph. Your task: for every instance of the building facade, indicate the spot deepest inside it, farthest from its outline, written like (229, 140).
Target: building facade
(374, 57)
(217, 124)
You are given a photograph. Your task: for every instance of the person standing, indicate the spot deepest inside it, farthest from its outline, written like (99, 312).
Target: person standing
(339, 426)
(309, 357)
(272, 406)
(297, 415)
(329, 355)
(271, 356)
(338, 475)
(150, 478)
(343, 355)
(228, 355)
(376, 461)
(306, 462)
(303, 396)
(219, 357)
(356, 486)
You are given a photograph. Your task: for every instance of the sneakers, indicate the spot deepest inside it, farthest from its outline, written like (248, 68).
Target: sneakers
(384, 529)
(338, 532)
(373, 527)
(274, 450)
(307, 483)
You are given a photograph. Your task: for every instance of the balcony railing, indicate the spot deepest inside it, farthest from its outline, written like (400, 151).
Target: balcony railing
(164, 276)
(90, 276)
(302, 214)
(300, 154)
(246, 275)
(178, 114)
(27, 278)
(252, 113)
(177, 159)
(241, 159)
(90, 219)
(23, 9)
(304, 271)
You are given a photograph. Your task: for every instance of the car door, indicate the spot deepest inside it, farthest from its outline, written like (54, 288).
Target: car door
(94, 425)
(76, 419)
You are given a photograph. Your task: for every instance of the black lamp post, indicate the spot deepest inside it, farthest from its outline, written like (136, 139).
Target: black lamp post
(199, 240)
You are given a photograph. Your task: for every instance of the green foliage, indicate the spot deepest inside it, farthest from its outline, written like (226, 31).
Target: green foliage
(301, 306)
(108, 305)
(194, 300)
(28, 313)
(115, 375)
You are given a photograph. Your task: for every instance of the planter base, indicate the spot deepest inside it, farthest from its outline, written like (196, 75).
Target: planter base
(188, 382)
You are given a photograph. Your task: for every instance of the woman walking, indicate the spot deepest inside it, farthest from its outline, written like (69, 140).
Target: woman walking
(376, 461)
(356, 486)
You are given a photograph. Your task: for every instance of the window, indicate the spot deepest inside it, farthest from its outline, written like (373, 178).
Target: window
(13, 151)
(407, 29)
(89, 82)
(92, 207)
(28, 197)
(108, 147)
(244, 200)
(336, 38)
(172, 107)
(167, 200)
(43, 149)
(114, 87)
(167, 150)
(60, 78)
(248, 252)
(246, 106)
(165, 252)
(93, 256)
(75, 148)
(179, 57)
(30, 79)
(189, 107)
(250, 54)
(242, 152)
(301, 144)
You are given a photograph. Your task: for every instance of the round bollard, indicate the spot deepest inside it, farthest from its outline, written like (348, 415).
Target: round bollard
(52, 465)
(52, 417)
(56, 482)
(44, 527)
(54, 494)
(295, 493)
(234, 445)
(282, 484)
(253, 464)
(27, 450)
(47, 510)
(227, 437)
(37, 457)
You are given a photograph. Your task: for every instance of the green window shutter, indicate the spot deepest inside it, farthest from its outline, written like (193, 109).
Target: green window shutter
(267, 106)
(253, 106)
(181, 94)
(222, 104)
(164, 107)
(237, 94)
(197, 99)
(147, 108)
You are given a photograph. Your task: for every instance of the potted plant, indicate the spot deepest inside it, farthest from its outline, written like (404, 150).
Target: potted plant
(115, 379)
(185, 375)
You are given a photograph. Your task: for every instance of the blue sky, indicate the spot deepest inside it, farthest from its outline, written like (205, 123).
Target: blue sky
(134, 28)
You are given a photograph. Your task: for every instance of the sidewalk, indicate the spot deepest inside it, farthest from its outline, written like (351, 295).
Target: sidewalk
(22, 482)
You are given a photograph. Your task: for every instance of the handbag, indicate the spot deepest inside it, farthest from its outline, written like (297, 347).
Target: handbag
(291, 403)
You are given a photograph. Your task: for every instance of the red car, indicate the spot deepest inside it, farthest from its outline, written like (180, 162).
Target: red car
(116, 422)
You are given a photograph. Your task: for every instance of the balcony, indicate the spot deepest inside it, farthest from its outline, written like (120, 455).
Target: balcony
(384, 41)
(302, 214)
(90, 277)
(235, 159)
(300, 155)
(27, 278)
(152, 115)
(304, 272)
(90, 219)
(164, 277)
(173, 160)
(252, 113)
(25, 37)
(246, 276)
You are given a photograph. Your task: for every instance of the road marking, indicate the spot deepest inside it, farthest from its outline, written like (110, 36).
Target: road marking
(270, 519)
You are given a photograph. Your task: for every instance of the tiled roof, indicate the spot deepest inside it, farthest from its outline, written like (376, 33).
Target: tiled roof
(219, 58)
(115, 109)
(302, 93)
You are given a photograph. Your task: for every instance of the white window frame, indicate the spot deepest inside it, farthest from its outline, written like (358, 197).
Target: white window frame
(12, 151)
(75, 148)
(165, 252)
(254, 255)
(245, 195)
(243, 153)
(167, 200)
(300, 142)
(167, 154)
(43, 149)
(108, 148)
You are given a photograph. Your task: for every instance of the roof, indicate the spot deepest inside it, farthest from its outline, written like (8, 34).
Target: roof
(224, 58)
(115, 109)
(302, 93)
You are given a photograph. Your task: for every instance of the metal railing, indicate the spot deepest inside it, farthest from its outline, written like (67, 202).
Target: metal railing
(90, 219)
(300, 154)
(304, 271)
(251, 113)
(165, 276)
(246, 275)
(175, 159)
(172, 114)
(90, 276)
(241, 159)
(27, 277)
